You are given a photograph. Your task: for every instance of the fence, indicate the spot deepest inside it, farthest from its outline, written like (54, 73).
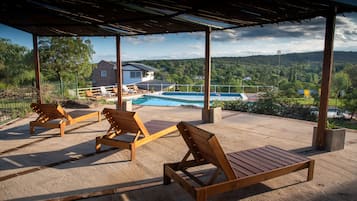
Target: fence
(15, 103)
(180, 87)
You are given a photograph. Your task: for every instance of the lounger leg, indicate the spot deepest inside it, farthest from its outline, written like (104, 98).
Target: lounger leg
(310, 173)
(99, 117)
(62, 129)
(201, 195)
(97, 144)
(32, 129)
(133, 151)
(167, 179)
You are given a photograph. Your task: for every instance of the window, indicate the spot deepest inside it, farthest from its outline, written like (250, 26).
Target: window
(135, 74)
(103, 73)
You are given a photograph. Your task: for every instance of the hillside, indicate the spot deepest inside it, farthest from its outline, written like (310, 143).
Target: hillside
(340, 57)
(295, 71)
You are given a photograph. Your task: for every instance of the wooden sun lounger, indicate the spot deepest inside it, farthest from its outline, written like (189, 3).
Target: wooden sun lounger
(240, 169)
(130, 131)
(54, 116)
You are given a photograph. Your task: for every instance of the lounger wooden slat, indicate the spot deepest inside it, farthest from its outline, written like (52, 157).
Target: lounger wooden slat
(260, 165)
(127, 131)
(240, 169)
(268, 157)
(266, 162)
(248, 165)
(54, 116)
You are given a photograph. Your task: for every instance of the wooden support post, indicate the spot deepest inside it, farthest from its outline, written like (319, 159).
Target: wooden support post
(119, 75)
(207, 86)
(37, 68)
(326, 79)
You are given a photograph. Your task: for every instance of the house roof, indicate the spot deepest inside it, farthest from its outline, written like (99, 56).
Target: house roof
(142, 67)
(135, 17)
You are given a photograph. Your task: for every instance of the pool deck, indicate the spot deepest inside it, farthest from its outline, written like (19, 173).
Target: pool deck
(46, 166)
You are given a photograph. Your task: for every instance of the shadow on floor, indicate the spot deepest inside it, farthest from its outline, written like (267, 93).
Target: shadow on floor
(148, 190)
(23, 131)
(308, 151)
(31, 162)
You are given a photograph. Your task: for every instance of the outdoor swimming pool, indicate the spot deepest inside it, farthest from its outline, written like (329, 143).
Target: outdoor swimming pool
(184, 98)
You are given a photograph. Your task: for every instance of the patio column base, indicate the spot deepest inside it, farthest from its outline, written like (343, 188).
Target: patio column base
(127, 106)
(335, 139)
(212, 115)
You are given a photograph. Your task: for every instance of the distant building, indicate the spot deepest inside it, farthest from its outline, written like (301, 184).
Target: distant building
(307, 92)
(106, 73)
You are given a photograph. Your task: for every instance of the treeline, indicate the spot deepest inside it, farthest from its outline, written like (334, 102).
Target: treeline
(63, 60)
(289, 72)
(67, 60)
(16, 64)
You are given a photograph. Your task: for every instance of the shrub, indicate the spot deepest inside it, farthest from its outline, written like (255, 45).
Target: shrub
(269, 104)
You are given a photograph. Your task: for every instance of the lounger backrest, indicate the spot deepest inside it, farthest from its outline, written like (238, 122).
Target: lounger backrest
(204, 146)
(115, 90)
(89, 93)
(125, 121)
(50, 111)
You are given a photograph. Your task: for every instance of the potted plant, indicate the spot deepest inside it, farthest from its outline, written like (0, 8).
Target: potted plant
(335, 137)
(213, 115)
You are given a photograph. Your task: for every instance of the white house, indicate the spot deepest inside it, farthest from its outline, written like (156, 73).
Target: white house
(106, 73)
(137, 72)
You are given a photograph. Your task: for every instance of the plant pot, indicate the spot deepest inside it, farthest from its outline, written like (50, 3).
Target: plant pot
(213, 115)
(127, 105)
(335, 139)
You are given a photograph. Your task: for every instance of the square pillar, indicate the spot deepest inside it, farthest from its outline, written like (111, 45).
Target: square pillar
(212, 115)
(334, 139)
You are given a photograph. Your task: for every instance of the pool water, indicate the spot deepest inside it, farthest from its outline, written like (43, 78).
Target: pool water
(183, 98)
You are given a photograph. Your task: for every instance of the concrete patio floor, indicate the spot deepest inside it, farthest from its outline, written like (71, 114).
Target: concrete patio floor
(45, 166)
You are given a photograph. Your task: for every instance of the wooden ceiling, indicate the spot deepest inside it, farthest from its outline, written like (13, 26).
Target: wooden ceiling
(116, 17)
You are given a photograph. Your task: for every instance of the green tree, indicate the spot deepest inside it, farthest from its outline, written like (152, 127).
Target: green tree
(15, 64)
(350, 101)
(351, 70)
(66, 59)
(340, 82)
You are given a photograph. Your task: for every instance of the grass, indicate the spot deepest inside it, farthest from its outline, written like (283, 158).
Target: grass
(351, 124)
(12, 108)
(310, 101)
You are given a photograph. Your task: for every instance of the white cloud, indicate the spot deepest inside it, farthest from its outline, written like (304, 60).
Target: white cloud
(145, 39)
(105, 56)
(346, 29)
(287, 37)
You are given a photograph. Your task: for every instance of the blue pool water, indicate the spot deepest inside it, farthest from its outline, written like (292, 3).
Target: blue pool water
(183, 98)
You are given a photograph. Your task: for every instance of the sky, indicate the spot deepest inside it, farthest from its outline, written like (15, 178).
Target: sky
(306, 36)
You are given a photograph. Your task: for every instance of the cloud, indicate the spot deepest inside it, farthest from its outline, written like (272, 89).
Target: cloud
(270, 32)
(196, 47)
(224, 36)
(220, 36)
(287, 37)
(145, 39)
(105, 57)
(168, 55)
(346, 30)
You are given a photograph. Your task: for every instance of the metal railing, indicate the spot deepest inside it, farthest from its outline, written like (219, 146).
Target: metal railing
(80, 92)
